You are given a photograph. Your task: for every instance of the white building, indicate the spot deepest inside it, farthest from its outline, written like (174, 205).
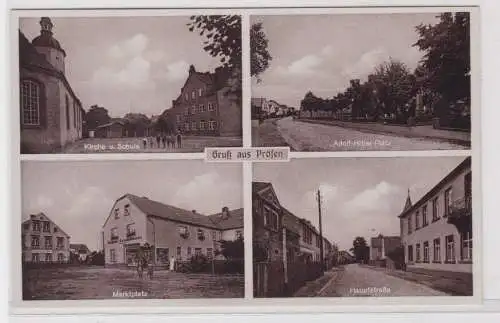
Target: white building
(436, 231)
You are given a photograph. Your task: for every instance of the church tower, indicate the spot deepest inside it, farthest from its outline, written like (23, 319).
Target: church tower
(408, 203)
(47, 45)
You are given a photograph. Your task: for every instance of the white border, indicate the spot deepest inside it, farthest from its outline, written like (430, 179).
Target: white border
(235, 305)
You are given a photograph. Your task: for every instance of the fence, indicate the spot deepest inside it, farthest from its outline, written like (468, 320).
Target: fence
(218, 267)
(269, 277)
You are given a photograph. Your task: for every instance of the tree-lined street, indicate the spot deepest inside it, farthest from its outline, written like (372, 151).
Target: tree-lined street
(305, 136)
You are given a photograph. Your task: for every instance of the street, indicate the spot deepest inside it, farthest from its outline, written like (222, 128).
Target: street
(103, 283)
(356, 280)
(190, 144)
(304, 136)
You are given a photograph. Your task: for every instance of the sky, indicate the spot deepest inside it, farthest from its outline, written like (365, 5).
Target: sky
(127, 64)
(321, 53)
(361, 196)
(79, 195)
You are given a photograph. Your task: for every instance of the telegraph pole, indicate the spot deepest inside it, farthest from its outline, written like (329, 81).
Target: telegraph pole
(320, 233)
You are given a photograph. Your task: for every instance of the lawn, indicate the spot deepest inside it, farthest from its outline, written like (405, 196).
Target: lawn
(104, 283)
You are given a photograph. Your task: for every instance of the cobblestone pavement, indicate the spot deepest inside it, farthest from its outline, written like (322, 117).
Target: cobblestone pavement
(104, 283)
(305, 136)
(123, 145)
(357, 281)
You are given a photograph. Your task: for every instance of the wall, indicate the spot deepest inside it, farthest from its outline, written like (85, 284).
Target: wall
(27, 233)
(437, 229)
(137, 217)
(53, 56)
(166, 234)
(46, 137)
(194, 83)
(269, 239)
(231, 234)
(73, 133)
(230, 114)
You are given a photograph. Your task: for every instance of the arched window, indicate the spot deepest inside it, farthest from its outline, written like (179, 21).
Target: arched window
(30, 102)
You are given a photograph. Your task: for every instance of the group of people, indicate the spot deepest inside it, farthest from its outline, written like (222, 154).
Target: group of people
(164, 141)
(144, 264)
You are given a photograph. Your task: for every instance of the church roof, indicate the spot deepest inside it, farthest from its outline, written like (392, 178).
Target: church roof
(46, 38)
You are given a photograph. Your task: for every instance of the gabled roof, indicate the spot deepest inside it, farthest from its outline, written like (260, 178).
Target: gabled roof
(234, 221)
(172, 213)
(80, 247)
(44, 215)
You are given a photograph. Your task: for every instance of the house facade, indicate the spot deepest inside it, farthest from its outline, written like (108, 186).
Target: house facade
(81, 250)
(44, 241)
(51, 114)
(206, 106)
(135, 222)
(436, 231)
(267, 220)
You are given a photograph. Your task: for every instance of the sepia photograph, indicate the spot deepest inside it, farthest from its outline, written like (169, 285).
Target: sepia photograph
(129, 84)
(363, 227)
(362, 82)
(131, 229)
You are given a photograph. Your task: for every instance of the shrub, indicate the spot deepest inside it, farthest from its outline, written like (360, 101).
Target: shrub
(198, 263)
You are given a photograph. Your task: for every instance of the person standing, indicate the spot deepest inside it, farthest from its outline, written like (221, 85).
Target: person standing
(145, 142)
(179, 139)
(158, 140)
(172, 264)
(164, 140)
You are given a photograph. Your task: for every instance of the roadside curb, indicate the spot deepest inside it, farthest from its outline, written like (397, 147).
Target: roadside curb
(460, 142)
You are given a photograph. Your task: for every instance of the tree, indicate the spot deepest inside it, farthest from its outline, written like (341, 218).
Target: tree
(446, 47)
(233, 249)
(360, 249)
(222, 40)
(394, 86)
(223, 37)
(96, 116)
(259, 53)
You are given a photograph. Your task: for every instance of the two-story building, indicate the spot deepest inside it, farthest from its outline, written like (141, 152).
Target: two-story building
(135, 222)
(436, 231)
(43, 240)
(81, 250)
(51, 114)
(206, 106)
(267, 221)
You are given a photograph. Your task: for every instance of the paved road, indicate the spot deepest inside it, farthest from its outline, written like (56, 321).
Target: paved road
(356, 280)
(304, 136)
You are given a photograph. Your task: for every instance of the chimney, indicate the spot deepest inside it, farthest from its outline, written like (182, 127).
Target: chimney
(194, 211)
(225, 212)
(191, 69)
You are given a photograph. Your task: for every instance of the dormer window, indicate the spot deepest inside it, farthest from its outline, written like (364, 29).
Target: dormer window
(117, 213)
(126, 210)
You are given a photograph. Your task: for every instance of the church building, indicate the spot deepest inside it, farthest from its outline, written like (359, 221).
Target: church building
(51, 115)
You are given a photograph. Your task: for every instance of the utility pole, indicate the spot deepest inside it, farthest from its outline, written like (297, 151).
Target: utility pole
(320, 233)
